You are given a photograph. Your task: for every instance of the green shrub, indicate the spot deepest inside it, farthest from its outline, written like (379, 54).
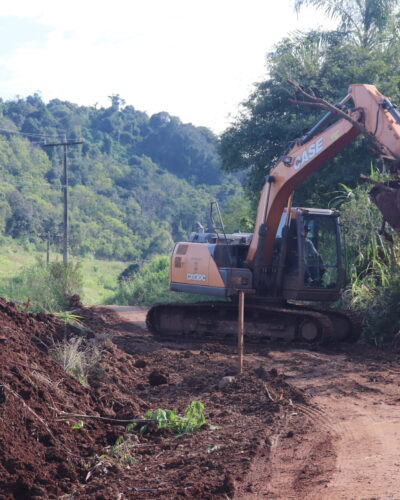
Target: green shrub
(151, 285)
(121, 451)
(45, 286)
(71, 319)
(373, 267)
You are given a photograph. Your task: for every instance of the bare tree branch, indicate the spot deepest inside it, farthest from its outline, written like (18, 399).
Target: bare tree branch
(66, 416)
(318, 102)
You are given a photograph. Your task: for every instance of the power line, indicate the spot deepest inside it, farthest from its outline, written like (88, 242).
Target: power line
(31, 134)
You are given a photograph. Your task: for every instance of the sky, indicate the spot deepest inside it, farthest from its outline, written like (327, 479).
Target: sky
(197, 60)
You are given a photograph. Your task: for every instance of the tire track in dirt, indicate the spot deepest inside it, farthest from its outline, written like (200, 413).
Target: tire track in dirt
(294, 468)
(367, 448)
(362, 419)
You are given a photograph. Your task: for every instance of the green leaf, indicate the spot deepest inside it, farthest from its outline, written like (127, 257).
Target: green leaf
(193, 418)
(78, 424)
(346, 188)
(119, 440)
(130, 427)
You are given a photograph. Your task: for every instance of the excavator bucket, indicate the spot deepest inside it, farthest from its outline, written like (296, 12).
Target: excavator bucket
(387, 199)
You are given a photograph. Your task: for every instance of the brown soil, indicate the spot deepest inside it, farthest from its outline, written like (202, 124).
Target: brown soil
(299, 423)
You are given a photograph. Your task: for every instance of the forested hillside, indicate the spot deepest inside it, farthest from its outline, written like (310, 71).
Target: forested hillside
(137, 182)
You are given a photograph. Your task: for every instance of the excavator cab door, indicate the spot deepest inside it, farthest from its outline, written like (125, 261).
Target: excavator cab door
(314, 265)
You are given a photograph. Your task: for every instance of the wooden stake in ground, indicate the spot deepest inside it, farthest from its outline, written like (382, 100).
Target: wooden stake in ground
(241, 331)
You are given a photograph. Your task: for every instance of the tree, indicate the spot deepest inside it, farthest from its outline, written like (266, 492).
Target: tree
(183, 149)
(23, 219)
(324, 63)
(363, 19)
(237, 215)
(116, 101)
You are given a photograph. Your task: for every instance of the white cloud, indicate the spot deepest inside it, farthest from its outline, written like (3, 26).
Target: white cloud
(196, 60)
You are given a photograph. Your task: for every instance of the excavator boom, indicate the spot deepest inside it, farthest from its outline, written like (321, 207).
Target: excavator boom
(376, 115)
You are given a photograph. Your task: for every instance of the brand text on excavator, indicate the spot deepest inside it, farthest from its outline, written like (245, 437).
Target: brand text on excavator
(314, 148)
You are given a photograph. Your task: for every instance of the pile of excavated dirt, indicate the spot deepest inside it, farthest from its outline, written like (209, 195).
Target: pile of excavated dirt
(42, 455)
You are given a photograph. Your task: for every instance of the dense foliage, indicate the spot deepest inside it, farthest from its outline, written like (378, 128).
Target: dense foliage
(373, 266)
(324, 63)
(137, 183)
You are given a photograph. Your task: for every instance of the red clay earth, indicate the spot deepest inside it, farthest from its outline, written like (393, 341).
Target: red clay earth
(285, 429)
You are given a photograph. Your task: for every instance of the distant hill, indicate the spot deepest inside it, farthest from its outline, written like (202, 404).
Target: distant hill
(137, 183)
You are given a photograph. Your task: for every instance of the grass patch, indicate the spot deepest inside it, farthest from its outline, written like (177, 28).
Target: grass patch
(71, 319)
(99, 277)
(76, 357)
(44, 286)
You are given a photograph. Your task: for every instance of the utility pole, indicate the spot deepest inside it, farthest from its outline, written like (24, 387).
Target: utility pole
(48, 248)
(65, 145)
(240, 331)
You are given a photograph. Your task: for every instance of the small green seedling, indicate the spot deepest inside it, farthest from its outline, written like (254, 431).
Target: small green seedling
(192, 419)
(78, 424)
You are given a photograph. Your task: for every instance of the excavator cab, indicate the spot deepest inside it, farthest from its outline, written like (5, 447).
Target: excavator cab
(312, 255)
(306, 265)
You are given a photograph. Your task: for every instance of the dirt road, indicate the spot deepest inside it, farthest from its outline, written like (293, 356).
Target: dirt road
(353, 452)
(356, 402)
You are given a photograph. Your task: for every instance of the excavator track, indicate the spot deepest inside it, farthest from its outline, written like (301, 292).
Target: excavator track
(217, 321)
(347, 323)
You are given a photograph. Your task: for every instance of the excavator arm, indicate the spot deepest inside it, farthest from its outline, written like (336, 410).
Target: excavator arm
(376, 115)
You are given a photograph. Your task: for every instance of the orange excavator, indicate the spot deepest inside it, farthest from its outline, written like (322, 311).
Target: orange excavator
(293, 258)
